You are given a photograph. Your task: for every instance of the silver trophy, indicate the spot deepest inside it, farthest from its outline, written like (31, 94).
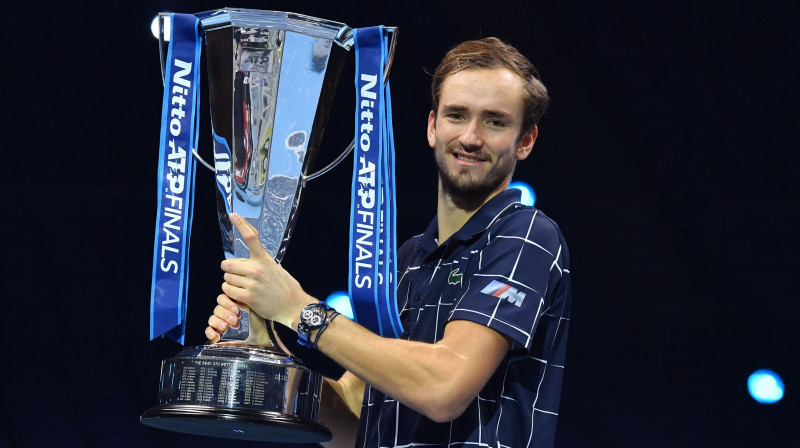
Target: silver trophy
(272, 77)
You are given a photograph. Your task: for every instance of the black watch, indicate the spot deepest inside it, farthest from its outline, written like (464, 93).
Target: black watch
(312, 317)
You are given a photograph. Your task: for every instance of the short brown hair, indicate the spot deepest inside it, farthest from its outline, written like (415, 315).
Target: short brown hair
(491, 52)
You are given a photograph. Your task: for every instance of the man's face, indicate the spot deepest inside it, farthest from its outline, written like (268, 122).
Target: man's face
(475, 133)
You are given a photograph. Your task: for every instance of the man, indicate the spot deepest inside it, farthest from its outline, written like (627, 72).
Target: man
(484, 293)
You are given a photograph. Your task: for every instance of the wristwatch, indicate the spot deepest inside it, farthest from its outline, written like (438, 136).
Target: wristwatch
(313, 317)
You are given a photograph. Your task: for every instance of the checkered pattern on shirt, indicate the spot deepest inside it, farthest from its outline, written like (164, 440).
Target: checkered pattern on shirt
(520, 247)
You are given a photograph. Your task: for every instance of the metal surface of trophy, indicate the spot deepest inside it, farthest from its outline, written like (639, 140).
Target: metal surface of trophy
(272, 78)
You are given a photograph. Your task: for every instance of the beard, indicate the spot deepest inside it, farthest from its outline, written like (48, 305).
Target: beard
(467, 191)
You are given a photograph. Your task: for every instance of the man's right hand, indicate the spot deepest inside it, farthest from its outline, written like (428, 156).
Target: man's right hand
(226, 315)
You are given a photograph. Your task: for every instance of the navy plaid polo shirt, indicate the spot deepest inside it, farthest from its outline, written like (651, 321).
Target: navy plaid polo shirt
(506, 268)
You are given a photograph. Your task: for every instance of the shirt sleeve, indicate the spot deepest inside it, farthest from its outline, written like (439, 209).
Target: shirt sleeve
(517, 274)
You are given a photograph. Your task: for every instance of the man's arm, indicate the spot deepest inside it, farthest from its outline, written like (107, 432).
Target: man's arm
(340, 409)
(438, 380)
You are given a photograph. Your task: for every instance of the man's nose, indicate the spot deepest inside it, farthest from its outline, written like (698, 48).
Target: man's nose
(471, 137)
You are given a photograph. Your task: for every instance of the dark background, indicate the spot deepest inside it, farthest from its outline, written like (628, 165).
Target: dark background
(668, 157)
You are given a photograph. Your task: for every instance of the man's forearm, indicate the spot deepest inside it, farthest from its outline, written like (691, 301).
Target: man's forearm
(437, 380)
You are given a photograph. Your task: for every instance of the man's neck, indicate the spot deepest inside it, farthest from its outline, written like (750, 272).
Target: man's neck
(454, 212)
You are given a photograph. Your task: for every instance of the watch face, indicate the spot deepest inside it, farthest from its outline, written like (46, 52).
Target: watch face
(314, 315)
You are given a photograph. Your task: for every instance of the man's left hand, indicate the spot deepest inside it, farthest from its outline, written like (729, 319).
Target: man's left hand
(261, 283)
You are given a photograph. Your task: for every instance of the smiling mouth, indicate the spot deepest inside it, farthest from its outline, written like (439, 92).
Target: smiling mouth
(467, 158)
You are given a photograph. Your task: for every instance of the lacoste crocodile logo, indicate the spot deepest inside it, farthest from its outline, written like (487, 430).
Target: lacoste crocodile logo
(455, 277)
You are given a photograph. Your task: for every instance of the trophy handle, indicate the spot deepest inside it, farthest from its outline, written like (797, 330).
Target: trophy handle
(163, 23)
(163, 39)
(393, 31)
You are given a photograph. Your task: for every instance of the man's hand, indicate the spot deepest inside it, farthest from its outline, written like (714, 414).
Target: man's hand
(226, 315)
(261, 283)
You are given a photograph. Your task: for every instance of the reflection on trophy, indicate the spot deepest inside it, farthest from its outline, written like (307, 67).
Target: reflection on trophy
(272, 77)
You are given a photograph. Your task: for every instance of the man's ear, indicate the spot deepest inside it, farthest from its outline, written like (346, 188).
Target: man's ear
(432, 129)
(526, 143)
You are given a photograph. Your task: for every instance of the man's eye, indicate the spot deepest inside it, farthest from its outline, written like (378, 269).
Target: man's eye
(455, 116)
(497, 123)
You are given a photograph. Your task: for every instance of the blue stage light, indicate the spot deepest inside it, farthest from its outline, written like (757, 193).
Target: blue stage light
(528, 196)
(765, 386)
(341, 302)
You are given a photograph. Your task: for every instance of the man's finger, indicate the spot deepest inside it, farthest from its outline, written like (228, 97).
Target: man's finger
(248, 224)
(223, 314)
(217, 324)
(212, 335)
(236, 266)
(226, 302)
(250, 236)
(240, 281)
(236, 293)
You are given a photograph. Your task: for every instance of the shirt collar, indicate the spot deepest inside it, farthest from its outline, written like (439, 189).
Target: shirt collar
(487, 214)
(476, 224)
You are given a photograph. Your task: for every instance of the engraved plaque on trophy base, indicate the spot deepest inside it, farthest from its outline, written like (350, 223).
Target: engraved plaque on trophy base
(238, 392)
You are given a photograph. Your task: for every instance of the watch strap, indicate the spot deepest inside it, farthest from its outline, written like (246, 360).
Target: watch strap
(305, 327)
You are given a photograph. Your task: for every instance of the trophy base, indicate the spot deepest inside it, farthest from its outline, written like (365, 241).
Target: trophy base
(238, 392)
(242, 424)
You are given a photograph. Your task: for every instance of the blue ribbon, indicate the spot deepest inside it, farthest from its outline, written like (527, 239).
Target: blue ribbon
(372, 212)
(176, 169)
